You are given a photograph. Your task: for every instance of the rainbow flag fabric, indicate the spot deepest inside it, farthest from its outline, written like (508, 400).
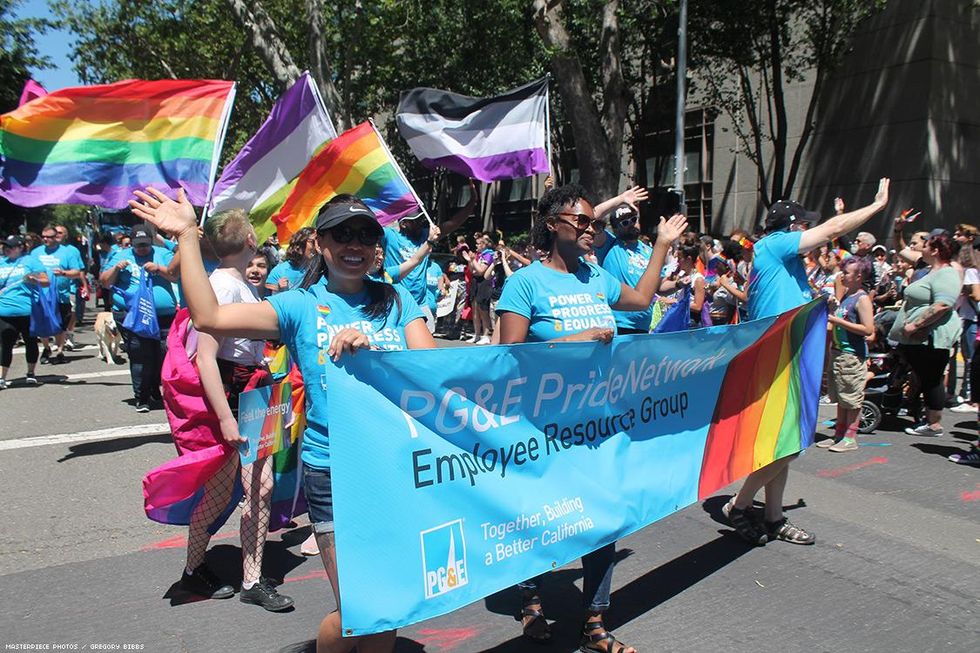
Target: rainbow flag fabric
(356, 162)
(95, 145)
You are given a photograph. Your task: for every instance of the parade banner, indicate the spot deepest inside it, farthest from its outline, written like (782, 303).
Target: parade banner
(460, 472)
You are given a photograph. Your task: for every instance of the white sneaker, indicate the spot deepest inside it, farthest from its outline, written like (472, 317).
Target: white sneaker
(964, 408)
(473, 340)
(485, 340)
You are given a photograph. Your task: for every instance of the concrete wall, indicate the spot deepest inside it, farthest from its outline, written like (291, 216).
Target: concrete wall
(905, 104)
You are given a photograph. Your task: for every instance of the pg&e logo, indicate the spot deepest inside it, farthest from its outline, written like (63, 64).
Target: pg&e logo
(443, 558)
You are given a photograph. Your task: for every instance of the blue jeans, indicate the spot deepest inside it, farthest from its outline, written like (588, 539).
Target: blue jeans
(967, 343)
(597, 571)
(145, 358)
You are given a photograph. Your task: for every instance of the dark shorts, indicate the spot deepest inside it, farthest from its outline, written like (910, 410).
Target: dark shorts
(65, 311)
(319, 498)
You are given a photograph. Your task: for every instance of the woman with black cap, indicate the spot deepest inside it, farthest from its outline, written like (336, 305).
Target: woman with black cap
(335, 311)
(20, 275)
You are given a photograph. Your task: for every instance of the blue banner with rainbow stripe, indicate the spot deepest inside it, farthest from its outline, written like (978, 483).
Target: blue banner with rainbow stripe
(460, 472)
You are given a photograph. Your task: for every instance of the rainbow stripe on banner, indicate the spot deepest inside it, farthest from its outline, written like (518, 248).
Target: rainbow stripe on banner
(768, 405)
(95, 145)
(356, 162)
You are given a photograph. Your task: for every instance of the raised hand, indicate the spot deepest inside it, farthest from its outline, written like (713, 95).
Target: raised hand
(881, 197)
(670, 230)
(635, 195)
(434, 234)
(164, 213)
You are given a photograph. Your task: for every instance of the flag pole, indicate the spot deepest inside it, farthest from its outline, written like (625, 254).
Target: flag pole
(400, 173)
(547, 122)
(218, 145)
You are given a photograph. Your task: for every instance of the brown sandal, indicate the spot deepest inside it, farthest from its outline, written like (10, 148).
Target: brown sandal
(535, 626)
(595, 635)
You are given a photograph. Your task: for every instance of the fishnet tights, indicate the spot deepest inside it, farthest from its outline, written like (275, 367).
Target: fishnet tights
(257, 482)
(217, 494)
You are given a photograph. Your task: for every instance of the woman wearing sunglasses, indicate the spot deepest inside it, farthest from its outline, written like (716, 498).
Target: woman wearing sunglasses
(563, 298)
(335, 311)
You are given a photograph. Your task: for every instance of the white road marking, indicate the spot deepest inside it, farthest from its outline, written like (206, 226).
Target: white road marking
(93, 375)
(85, 436)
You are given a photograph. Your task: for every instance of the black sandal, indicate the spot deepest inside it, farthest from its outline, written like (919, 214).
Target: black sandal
(594, 634)
(536, 627)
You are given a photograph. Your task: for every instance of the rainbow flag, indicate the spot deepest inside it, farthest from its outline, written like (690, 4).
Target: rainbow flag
(767, 408)
(356, 162)
(95, 145)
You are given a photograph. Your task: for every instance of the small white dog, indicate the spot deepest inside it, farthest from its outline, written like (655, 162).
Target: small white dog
(109, 339)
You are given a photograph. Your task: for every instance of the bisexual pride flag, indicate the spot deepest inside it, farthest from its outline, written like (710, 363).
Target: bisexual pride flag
(95, 145)
(502, 137)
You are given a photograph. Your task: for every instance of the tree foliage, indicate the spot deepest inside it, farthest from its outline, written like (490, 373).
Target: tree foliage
(747, 53)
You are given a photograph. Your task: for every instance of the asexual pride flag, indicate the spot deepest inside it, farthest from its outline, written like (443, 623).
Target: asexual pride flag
(503, 137)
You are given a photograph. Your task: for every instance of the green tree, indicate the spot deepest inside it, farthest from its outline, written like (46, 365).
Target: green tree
(747, 52)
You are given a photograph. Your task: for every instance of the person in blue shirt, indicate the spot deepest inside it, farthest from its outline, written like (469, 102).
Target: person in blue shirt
(434, 285)
(564, 298)
(20, 276)
(777, 284)
(121, 275)
(64, 263)
(411, 233)
(335, 312)
(289, 273)
(626, 260)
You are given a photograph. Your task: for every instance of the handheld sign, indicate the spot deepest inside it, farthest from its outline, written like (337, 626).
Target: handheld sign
(264, 417)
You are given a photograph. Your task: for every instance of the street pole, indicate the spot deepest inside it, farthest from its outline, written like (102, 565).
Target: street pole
(679, 158)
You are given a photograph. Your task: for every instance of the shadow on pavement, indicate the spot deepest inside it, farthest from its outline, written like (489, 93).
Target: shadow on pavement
(938, 449)
(961, 435)
(113, 446)
(225, 560)
(402, 645)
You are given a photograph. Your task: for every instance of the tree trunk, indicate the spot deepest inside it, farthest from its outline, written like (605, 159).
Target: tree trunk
(320, 69)
(266, 40)
(599, 155)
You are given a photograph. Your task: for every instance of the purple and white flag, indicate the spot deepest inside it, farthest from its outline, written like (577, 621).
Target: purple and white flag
(503, 137)
(261, 176)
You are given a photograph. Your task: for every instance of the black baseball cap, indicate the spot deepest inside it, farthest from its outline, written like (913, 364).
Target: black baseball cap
(13, 241)
(620, 213)
(784, 213)
(141, 235)
(333, 214)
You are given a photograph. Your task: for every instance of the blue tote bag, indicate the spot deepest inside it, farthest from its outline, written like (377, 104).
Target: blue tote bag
(142, 316)
(45, 317)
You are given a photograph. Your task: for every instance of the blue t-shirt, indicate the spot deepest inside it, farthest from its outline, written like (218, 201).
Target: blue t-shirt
(602, 252)
(432, 276)
(286, 270)
(308, 321)
(128, 279)
(398, 249)
(778, 279)
(627, 263)
(65, 257)
(16, 295)
(561, 303)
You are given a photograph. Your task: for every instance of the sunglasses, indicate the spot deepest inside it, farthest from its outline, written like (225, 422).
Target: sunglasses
(624, 221)
(583, 221)
(344, 233)
(47, 237)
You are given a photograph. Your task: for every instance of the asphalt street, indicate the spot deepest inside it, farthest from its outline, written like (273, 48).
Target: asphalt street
(895, 566)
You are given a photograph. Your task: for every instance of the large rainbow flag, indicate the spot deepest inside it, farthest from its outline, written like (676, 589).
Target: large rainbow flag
(95, 145)
(356, 162)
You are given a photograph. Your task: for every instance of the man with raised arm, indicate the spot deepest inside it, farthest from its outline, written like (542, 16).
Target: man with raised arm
(777, 284)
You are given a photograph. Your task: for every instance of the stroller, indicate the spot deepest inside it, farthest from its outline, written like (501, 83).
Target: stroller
(884, 392)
